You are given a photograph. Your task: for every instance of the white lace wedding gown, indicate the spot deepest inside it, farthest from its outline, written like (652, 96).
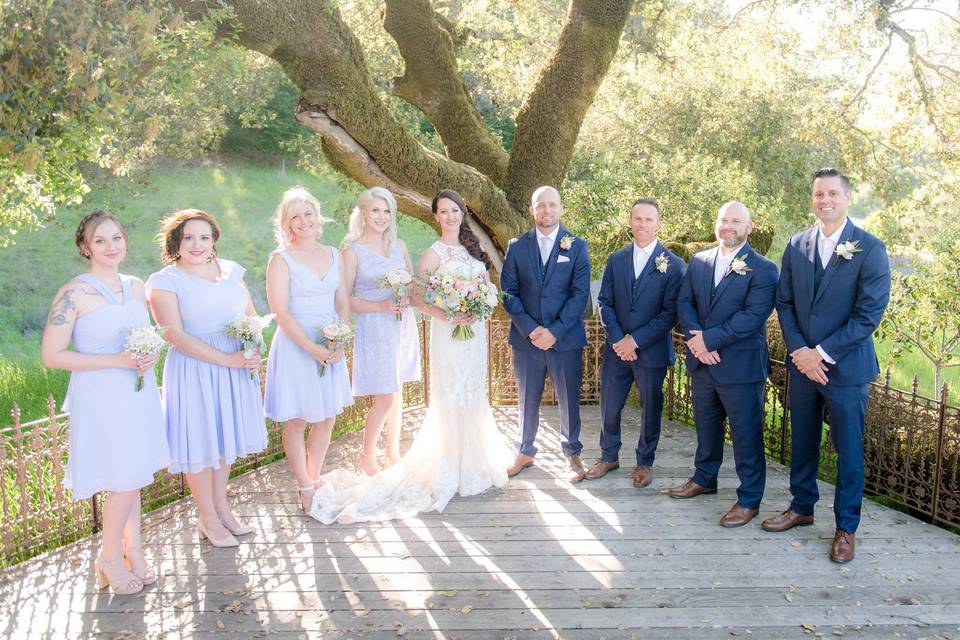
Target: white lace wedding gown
(458, 447)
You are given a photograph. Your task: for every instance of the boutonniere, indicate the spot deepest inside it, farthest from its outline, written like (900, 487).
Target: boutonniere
(566, 242)
(846, 249)
(661, 263)
(739, 265)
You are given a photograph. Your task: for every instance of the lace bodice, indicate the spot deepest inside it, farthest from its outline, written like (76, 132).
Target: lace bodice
(457, 259)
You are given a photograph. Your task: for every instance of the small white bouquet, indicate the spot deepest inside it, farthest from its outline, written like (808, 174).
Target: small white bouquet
(397, 281)
(143, 341)
(249, 331)
(335, 335)
(457, 293)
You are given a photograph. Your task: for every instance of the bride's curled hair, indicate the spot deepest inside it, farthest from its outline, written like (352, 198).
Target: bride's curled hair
(467, 237)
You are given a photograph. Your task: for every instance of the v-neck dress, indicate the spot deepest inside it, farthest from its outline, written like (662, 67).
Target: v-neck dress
(386, 352)
(294, 387)
(117, 436)
(214, 414)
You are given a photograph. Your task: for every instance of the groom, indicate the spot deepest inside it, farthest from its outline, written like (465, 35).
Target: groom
(546, 276)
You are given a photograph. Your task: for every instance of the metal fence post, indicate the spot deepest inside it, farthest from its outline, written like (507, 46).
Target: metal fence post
(941, 446)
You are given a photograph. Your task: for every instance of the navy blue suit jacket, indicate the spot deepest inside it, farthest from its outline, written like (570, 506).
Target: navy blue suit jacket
(843, 313)
(733, 317)
(644, 307)
(557, 301)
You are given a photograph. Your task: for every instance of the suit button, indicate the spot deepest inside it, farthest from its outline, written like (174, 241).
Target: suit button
(813, 315)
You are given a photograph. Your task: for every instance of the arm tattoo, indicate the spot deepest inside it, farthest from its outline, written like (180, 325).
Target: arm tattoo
(61, 308)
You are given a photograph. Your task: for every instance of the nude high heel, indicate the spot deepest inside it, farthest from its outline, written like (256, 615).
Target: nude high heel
(226, 541)
(306, 497)
(115, 575)
(143, 571)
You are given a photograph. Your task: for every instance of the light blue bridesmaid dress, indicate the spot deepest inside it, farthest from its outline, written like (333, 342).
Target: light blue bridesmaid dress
(294, 388)
(117, 436)
(214, 414)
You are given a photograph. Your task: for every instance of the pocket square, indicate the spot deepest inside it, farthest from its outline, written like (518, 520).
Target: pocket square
(563, 259)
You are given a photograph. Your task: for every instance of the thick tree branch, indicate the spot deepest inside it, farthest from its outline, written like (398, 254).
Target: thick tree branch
(432, 83)
(549, 121)
(323, 58)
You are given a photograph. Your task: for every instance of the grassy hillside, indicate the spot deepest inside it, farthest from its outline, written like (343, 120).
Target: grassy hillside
(241, 195)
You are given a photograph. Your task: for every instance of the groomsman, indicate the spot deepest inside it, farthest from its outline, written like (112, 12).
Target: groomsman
(638, 308)
(725, 300)
(546, 274)
(834, 287)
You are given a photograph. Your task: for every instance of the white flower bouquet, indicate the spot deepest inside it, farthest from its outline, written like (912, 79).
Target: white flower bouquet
(457, 293)
(144, 341)
(397, 281)
(335, 335)
(249, 331)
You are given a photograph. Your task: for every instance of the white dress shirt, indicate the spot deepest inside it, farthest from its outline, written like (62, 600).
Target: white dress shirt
(641, 256)
(826, 245)
(721, 265)
(545, 242)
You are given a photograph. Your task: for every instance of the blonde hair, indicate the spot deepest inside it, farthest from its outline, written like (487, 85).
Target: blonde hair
(291, 201)
(364, 200)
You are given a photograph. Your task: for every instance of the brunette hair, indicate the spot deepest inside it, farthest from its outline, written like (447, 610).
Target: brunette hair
(88, 225)
(171, 232)
(830, 172)
(467, 237)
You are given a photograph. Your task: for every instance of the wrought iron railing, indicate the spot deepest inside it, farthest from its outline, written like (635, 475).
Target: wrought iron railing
(912, 447)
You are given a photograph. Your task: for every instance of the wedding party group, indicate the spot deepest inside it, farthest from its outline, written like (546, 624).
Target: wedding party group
(830, 294)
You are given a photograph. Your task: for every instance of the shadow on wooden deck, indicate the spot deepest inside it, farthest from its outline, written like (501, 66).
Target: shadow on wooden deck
(539, 558)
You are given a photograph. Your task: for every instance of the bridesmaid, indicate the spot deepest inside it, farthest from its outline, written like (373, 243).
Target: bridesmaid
(117, 439)
(214, 410)
(305, 289)
(386, 352)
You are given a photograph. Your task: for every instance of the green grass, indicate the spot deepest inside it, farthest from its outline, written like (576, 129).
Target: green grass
(242, 196)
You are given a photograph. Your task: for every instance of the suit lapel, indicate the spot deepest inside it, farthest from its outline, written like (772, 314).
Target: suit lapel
(624, 273)
(729, 275)
(706, 282)
(552, 261)
(648, 269)
(809, 245)
(533, 253)
(831, 267)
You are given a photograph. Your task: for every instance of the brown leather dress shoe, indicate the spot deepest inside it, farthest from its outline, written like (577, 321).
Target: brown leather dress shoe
(576, 472)
(642, 476)
(690, 489)
(786, 520)
(844, 547)
(737, 516)
(600, 469)
(522, 462)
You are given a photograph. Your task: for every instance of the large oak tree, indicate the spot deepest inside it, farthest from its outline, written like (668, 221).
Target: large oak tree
(362, 138)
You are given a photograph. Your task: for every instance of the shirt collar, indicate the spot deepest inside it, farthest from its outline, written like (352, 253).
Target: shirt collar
(647, 250)
(730, 256)
(835, 236)
(552, 235)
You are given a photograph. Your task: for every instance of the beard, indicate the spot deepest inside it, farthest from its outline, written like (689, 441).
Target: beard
(732, 241)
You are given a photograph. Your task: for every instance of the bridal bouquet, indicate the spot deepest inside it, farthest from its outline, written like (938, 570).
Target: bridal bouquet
(249, 331)
(397, 281)
(457, 293)
(335, 335)
(143, 341)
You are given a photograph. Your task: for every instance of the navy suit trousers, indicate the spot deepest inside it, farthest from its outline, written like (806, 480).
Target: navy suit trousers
(616, 378)
(743, 404)
(531, 367)
(848, 408)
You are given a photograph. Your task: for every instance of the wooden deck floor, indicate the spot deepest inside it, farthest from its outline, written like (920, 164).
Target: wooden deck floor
(537, 559)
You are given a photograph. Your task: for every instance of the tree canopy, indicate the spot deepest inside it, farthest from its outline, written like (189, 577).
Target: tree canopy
(691, 102)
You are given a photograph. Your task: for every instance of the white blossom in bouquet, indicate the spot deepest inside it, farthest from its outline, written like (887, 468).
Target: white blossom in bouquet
(396, 280)
(249, 331)
(335, 335)
(143, 341)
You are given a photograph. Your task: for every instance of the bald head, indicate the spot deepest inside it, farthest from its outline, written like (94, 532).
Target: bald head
(733, 225)
(545, 207)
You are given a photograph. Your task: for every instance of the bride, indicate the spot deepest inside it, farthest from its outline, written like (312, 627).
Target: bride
(458, 447)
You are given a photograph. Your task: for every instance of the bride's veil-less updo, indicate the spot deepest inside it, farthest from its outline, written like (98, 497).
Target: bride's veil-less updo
(467, 237)
(364, 200)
